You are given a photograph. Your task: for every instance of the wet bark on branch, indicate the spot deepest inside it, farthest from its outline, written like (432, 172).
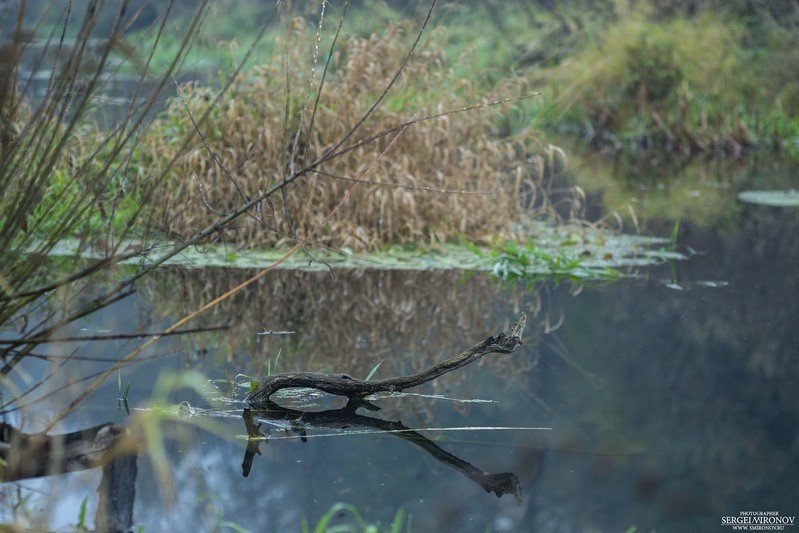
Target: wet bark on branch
(28, 455)
(345, 385)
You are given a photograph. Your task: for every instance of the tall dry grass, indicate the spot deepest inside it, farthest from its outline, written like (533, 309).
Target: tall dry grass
(444, 177)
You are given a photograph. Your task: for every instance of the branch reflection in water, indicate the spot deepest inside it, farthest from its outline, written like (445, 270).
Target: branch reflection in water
(346, 418)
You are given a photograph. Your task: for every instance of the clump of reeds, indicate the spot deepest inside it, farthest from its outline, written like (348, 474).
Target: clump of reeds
(438, 179)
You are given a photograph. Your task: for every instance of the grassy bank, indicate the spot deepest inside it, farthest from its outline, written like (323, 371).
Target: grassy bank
(693, 84)
(628, 75)
(631, 75)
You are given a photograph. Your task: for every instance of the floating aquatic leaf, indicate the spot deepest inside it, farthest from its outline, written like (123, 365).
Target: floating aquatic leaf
(772, 198)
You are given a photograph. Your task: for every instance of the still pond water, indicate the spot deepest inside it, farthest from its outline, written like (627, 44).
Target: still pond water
(663, 402)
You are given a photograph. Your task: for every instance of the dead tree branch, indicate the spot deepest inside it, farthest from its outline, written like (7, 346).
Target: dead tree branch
(345, 385)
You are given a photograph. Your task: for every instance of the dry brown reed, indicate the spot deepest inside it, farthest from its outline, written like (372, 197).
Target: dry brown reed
(443, 178)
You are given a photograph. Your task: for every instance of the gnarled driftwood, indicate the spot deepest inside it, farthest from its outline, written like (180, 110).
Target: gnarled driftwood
(345, 385)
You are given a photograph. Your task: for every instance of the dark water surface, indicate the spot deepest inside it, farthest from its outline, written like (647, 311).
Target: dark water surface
(672, 398)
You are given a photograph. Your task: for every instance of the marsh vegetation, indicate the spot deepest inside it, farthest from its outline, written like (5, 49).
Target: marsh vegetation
(330, 131)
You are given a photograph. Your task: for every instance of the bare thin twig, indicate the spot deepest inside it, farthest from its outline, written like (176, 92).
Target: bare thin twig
(119, 336)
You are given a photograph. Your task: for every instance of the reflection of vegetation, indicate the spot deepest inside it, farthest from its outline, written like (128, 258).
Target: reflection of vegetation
(642, 188)
(361, 318)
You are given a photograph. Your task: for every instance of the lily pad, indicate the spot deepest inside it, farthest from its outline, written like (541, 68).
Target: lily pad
(773, 198)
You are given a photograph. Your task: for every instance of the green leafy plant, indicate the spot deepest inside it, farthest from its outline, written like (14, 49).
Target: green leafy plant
(513, 261)
(81, 525)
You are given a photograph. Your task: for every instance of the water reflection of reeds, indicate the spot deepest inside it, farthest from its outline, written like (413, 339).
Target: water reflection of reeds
(348, 321)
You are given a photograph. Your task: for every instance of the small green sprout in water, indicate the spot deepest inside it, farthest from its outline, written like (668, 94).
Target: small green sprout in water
(675, 282)
(675, 232)
(269, 369)
(372, 373)
(352, 521)
(81, 525)
(233, 384)
(122, 396)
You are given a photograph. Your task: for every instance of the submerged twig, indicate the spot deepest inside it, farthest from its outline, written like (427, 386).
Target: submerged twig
(345, 385)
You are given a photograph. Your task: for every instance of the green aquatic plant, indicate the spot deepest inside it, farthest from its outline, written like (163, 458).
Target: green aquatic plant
(513, 261)
(352, 521)
(81, 525)
(122, 396)
(373, 371)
